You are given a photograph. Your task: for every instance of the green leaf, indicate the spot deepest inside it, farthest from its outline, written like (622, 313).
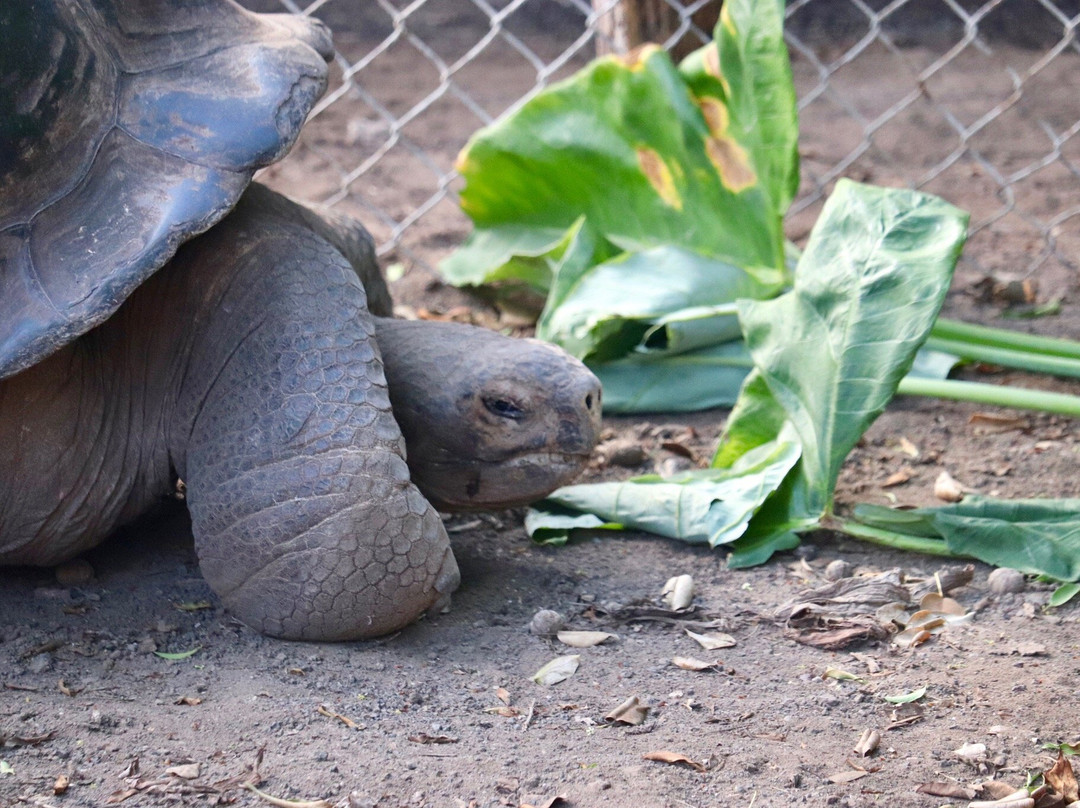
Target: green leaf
(829, 355)
(578, 252)
(1036, 536)
(665, 300)
(626, 124)
(650, 381)
(1063, 594)
(179, 654)
(756, 547)
(1067, 749)
(756, 419)
(699, 507)
(906, 698)
(508, 252)
(933, 364)
(686, 382)
(747, 71)
(552, 524)
(867, 290)
(5, 768)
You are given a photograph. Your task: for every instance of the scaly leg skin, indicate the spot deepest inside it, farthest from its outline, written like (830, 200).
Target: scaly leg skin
(305, 521)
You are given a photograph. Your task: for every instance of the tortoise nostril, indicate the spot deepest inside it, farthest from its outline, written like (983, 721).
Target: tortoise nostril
(588, 401)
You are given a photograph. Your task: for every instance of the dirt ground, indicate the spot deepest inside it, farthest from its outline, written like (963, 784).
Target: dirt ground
(445, 713)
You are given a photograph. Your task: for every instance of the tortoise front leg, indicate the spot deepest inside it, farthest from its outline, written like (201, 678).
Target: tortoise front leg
(306, 523)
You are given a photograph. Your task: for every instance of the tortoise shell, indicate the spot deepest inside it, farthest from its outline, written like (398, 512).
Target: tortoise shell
(126, 128)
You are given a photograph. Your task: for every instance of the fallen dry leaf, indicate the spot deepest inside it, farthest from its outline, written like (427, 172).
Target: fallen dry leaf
(953, 791)
(1019, 799)
(503, 695)
(988, 423)
(185, 771)
(584, 639)
(950, 791)
(947, 489)
(60, 785)
(847, 776)
(711, 641)
(971, 752)
(933, 602)
(897, 478)
(945, 580)
(674, 758)
(868, 742)
(691, 664)
(848, 596)
(558, 798)
(631, 712)
(936, 614)
(998, 790)
(913, 637)
(188, 701)
(678, 592)
(424, 738)
(681, 449)
(1062, 779)
(907, 447)
(834, 635)
(557, 670)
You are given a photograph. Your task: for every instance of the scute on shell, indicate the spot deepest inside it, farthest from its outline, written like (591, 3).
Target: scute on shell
(135, 125)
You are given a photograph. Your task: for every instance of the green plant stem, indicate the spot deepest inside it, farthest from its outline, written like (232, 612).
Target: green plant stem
(887, 538)
(994, 394)
(992, 354)
(1003, 338)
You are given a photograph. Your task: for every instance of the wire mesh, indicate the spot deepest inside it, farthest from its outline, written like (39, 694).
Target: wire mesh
(977, 102)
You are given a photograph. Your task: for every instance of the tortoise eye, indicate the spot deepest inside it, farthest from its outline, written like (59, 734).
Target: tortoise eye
(504, 408)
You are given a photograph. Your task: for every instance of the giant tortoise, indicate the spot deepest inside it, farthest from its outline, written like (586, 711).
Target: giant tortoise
(252, 365)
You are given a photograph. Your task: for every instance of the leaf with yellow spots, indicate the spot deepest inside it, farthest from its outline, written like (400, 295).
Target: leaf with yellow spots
(659, 176)
(731, 163)
(745, 72)
(625, 145)
(644, 199)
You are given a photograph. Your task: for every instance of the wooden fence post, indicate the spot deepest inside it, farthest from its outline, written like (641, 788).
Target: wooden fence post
(624, 24)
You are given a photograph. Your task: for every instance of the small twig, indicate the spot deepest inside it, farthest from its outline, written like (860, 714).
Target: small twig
(46, 647)
(286, 803)
(321, 710)
(904, 722)
(529, 716)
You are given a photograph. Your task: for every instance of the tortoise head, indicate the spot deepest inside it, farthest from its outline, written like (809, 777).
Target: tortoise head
(489, 421)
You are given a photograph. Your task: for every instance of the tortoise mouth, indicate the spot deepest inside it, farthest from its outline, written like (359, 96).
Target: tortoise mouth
(473, 484)
(549, 460)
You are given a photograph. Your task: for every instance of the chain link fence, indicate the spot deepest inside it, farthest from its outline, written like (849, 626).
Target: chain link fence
(977, 102)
